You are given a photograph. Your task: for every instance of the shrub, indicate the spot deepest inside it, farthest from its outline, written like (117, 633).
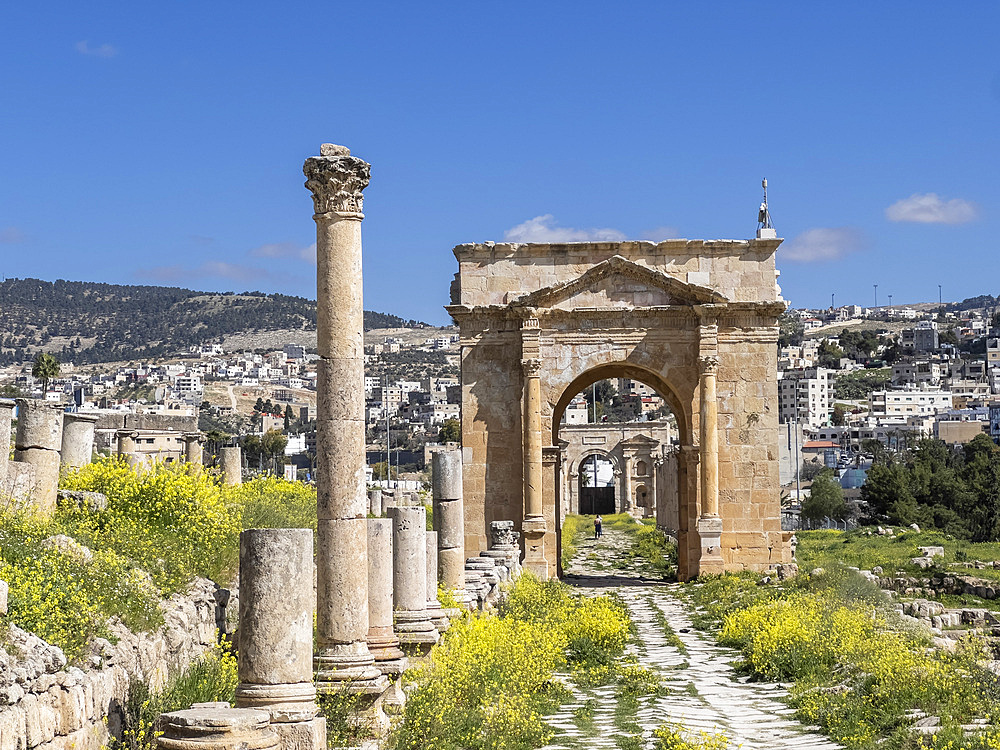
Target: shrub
(484, 687)
(271, 503)
(63, 598)
(595, 629)
(857, 670)
(173, 523)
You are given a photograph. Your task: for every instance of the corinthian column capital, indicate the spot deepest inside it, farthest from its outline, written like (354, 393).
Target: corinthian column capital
(708, 365)
(336, 180)
(532, 367)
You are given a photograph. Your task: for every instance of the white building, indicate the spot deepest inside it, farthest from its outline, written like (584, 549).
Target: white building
(804, 396)
(909, 403)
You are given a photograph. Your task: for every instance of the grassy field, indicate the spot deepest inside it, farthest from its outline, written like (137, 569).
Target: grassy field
(864, 549)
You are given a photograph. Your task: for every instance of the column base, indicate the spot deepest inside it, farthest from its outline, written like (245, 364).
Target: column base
(301, 735)
(533, 530)
(344, 668)
(289, 702)
(415, 631)
(439, 617)
(710, 533)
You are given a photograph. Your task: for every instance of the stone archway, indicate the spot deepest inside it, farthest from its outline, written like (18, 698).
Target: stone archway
(696, 321)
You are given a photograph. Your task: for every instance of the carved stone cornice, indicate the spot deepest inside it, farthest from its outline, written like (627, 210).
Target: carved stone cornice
(336, 179)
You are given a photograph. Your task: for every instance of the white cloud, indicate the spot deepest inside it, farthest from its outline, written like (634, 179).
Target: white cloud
(11, 236)
(285, 250)
(543, 229)
(105, 50)
(822, 243)
(658, 234)
(929, 208)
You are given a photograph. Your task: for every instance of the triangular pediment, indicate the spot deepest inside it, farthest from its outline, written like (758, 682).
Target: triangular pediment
(640, 439)
(620, 283)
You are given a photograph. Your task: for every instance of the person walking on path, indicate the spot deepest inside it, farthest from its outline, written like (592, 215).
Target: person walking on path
(598, 532)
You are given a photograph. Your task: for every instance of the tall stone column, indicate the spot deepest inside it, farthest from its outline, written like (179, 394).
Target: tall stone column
(37, 442)
(449, 518)
(409, 579)
(628, 501)
(193, 453)
(6, 418)
(533, 524)
(77, 439)
(709, 523)
(232, 464)
(276, 633)
(336, 180)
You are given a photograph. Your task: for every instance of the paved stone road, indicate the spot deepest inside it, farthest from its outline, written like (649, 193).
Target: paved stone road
(704, 692)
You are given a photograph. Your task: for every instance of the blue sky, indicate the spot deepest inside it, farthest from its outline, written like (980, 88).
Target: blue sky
(164, 143)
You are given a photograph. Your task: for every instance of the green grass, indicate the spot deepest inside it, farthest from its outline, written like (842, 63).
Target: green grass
(819, 549)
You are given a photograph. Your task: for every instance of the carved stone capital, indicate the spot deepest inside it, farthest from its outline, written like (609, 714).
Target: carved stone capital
(532, 367)
(708, 365)
(336, 180)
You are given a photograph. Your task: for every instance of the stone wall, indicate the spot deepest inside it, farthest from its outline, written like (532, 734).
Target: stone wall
(52, 706)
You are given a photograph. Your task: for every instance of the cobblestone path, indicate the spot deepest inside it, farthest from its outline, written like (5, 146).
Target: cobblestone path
(704, 692)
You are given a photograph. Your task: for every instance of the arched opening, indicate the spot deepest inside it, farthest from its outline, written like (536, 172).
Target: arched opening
(618, 439)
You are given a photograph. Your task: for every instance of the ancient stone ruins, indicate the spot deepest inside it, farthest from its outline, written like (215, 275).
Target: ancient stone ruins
(695, 320)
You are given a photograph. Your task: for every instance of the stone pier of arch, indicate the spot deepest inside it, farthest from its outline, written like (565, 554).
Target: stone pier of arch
(696, 320)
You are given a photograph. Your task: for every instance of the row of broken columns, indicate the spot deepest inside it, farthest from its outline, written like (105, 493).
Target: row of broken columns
(49, 439)
(358, 632)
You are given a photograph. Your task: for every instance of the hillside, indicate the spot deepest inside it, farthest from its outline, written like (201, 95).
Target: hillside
(86, 322)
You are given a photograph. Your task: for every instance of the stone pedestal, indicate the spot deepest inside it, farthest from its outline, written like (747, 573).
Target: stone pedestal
(382, 641)
(193, 452)
(534, 547)
(276, 623)
(6, 418)
(37, 442)
(336, 180)
(504, 546)
(414, 627)
(449, 518)
(216, 728)
(77, 439)
(232, 464)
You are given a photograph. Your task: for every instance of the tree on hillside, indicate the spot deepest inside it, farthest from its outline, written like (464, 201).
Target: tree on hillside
(829, 355)
(451, 431)
(826, 498)
(45, 368)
